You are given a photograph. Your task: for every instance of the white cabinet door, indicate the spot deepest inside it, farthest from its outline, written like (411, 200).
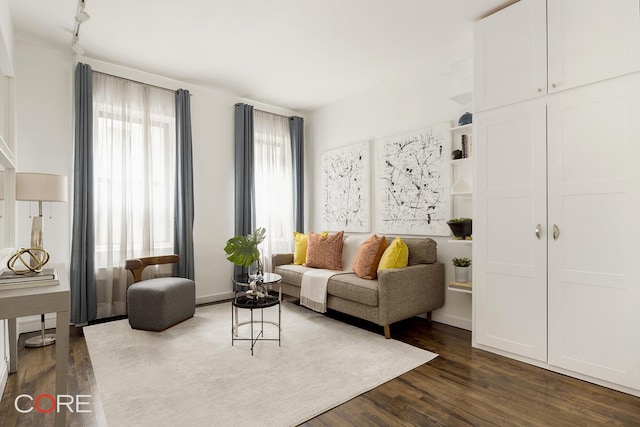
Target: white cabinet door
(510, 270)
(594, 199)
(592, 40)
(510, 55)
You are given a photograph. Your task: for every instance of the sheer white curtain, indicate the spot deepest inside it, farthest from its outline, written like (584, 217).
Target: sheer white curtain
(134, 180)
(273, 183)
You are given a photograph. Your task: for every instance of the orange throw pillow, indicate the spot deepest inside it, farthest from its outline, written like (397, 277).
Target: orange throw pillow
(368, 256)
(324, 252)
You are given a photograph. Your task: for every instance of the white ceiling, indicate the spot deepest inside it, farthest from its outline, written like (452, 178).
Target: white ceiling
(296, 54)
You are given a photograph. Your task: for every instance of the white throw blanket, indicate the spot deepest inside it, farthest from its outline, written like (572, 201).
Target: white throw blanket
(313, 288)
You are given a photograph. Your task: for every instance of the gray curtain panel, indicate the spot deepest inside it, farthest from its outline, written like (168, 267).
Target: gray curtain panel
(183, 239)
(82, 271)
(244, 171)
(296, 127)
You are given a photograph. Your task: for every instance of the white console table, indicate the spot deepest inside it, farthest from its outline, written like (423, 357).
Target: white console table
(37, 300)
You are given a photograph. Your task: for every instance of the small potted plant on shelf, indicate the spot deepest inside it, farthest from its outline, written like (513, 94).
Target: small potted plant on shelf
(462, 269)
(461, 228)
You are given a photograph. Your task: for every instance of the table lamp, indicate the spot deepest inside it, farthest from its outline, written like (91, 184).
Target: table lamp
(40, 187)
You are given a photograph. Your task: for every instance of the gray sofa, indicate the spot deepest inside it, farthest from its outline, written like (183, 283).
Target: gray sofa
(396, 294)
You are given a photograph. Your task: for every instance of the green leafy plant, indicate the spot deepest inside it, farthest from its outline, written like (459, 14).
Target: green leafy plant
(456, 220)
(461, 262)
(243, 250)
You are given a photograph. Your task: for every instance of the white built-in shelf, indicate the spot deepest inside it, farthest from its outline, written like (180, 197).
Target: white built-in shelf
(461, 193)
(461, 130)
(463, 98)
(466, 288)
(466, 242)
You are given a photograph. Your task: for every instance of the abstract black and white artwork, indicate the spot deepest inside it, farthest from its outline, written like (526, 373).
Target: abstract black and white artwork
(413, 179)
(346, 204)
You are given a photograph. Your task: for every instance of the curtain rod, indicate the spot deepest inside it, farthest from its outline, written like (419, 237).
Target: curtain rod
(276, 114)
(136, 81)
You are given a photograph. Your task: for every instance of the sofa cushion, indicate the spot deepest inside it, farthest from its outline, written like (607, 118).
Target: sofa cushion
(291, 273)
(325, 251)
(353, 288)
(350, 246)
(301, 241)
(368, 256)
(395, 256)
(421, 251)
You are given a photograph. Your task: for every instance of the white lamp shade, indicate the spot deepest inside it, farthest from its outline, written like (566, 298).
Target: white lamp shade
(41, 187)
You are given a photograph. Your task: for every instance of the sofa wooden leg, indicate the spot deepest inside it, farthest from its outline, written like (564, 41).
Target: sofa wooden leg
(387, 332)
(429, 316)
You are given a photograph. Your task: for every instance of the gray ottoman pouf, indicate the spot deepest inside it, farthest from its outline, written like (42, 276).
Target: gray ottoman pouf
(157, 304)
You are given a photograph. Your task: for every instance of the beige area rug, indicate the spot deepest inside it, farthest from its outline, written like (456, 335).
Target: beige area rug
(190, 375)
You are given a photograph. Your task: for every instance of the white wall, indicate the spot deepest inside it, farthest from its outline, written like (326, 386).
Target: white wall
(45, 139)
(6, 68)
(6, 39)
(409, 102)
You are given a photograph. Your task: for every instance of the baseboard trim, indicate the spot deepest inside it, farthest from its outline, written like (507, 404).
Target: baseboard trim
(458, 322)
(214, 297)
(4, 375)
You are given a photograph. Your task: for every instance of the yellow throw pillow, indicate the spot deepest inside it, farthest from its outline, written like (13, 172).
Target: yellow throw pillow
(395, 256)
(301, 241)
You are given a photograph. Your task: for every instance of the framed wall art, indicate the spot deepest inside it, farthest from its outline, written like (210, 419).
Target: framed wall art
(412, 182)
(346, 177)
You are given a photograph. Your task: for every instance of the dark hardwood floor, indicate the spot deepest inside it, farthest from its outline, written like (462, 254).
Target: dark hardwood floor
(463, 386)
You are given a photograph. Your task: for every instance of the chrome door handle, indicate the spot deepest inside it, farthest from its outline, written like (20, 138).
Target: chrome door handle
(556, 232)
(539, 231)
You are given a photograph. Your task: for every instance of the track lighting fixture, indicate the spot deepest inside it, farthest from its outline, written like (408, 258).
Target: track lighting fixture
(82, 17)
(75, 47)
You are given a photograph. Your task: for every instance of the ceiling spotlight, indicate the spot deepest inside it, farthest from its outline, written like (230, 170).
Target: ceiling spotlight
(77, 49)
(82, 17)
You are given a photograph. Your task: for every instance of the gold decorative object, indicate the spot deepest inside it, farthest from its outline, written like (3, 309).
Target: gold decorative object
(38, 257)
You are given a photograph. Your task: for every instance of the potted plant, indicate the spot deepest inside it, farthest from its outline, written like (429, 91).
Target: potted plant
(462, 269)
(461, 227)
(243, 250)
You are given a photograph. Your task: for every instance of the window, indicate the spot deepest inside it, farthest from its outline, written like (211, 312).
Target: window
(134, 180)
(273, 183)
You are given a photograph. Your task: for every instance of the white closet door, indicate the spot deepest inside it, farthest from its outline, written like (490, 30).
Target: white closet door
(510, 55)
(509, 260)
(592, 40)
(594, 199)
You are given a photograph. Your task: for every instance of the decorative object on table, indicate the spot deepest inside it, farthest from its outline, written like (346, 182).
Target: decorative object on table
(465, 119)
(461, 228)
(243, 251)
(38, 257)
(413, 180)
(462, 269)
(40, 187)
(345, 180)
(256, 290)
